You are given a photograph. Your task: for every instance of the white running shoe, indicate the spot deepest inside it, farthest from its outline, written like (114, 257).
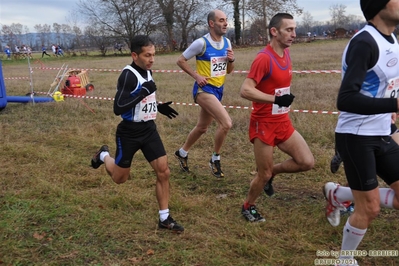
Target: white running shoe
(333, 207)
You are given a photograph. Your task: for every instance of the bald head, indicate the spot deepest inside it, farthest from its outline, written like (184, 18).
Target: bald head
(214, 15)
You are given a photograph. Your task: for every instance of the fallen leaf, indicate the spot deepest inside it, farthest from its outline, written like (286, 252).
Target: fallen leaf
(134, 260)
(39, 236)
(70, 255)
(150, 252)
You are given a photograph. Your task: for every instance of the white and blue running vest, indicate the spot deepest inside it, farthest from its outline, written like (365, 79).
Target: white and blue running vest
(374, 86)
(133, 115)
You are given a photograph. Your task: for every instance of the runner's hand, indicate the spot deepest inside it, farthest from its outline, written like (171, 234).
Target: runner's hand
(166, 110)
(284, 100)
(148, 88)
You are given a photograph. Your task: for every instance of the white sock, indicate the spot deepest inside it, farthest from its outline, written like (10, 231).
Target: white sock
(343, 194)
(103, 154)
(351, 239)
(386, 197)
(183, 153)
(215, 157)
(163, 214)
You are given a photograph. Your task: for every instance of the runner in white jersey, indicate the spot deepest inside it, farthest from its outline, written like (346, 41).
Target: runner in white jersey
(367, 99)
(135, 102)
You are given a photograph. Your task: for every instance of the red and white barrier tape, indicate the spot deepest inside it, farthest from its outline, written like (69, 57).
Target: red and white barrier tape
(194, 104)
(17, 78)
(181, 71)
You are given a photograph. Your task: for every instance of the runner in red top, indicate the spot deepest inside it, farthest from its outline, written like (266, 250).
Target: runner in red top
(268, 87)
(272, 74)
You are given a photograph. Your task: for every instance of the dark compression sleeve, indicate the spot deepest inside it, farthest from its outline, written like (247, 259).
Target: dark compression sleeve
(125, 100)
(362, 55)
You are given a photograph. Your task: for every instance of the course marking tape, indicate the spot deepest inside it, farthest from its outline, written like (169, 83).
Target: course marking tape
(181, 71)
(178, 71)
(195, 104)
(17, 78)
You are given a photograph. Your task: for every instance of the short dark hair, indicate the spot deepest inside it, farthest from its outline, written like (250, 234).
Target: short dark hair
(276, 20)
(140, 41)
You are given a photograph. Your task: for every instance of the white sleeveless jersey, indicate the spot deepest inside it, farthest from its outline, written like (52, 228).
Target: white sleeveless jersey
(375, 85)
(146, 109)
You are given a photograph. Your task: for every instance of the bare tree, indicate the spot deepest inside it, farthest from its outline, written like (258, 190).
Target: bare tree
(338, 17)
(78, 35)
(189, 14)
(66, 29)
(307, 21)
(259, 9)
(98, 37)
(44, 33)
(57, 30)
(12, 34)
(258, 32)
(168, 7)
(8, 35)
(265, 9)
(122, 18)
(237, 22)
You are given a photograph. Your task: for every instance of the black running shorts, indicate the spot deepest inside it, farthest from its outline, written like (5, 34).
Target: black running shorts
(134, 136)
(365, 157)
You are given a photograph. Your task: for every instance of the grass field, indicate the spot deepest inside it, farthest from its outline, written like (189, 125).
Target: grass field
(56, 210)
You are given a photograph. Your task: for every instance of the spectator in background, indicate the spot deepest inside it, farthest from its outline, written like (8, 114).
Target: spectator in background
(54, 50)
(44, 51)
(7, 50)
(60, 52)
(17, 53)
(29, 52)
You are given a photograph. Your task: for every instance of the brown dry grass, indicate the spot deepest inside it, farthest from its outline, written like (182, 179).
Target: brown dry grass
(56, 210)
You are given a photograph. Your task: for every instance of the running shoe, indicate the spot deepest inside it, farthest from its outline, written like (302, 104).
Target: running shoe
(268, 188)
(251, 214)
(335, 162)
(333, 207)
(183, 162)
(95, 160)
(349, 208)
(170, 224)
(215, 168)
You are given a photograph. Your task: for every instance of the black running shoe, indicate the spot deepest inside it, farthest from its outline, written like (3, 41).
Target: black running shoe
(171, 224)
(183, 162)
(251, 214)
(215, 168)
(95, 160)
(335, 162)
(268, 188)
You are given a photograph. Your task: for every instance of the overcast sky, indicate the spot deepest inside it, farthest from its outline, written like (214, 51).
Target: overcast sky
(32, 12)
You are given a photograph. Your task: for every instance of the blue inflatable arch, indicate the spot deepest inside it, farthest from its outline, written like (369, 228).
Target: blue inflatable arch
(4, 99)
(3, 96)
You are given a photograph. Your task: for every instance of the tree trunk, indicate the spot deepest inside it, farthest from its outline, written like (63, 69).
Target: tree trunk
(237, 23)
